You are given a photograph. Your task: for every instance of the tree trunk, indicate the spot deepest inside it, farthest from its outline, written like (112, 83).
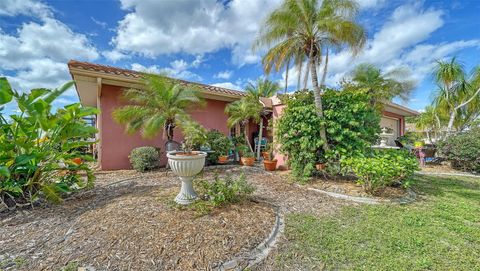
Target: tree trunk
(299, 70)
(451, 121)
(286, 76)
(305, 79)
(324, 75)
(169, 131)
(318, 102)
(260, 135)
(246, 136)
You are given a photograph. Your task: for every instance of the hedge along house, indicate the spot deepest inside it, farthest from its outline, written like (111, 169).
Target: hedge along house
(101, 86)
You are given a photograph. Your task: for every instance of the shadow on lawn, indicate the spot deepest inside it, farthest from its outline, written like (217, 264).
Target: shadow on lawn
(438, 186)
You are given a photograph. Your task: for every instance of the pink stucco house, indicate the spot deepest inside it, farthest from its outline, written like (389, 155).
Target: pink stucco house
(101, 86)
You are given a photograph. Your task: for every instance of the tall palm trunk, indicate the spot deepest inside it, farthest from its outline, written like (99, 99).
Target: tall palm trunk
(324, 75)
(305, 79)
(299, 70)
(318, 101)
(286, 76)
(260, 135)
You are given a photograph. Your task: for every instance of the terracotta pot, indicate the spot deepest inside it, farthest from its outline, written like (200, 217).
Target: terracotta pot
(270, 165)
(248, 161)
(77, 160)
(321, 166)
(266, 155)
(223, 159)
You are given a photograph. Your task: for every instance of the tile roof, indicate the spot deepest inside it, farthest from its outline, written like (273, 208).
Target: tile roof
(135, 74)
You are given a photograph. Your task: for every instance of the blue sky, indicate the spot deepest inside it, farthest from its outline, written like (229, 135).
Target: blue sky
(210, 41)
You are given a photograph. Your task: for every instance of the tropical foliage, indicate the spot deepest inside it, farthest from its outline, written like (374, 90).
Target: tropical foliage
(219, 144)
(383, 86)
(263, 88)
(161, 105)
(37, 147)
(249, 107)
(226, 191)
(463, 150)
(383, 168)
(352, 127)
(144, 158)
(309, 30)
(457, 98)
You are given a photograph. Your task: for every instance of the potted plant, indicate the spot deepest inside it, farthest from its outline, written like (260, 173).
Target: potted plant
(241, 149)
(222, 145)
(188, 163)
(269, 162)
(248, 158)
(321, 163)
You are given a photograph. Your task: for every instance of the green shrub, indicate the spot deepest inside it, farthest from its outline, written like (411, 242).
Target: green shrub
(351, 124)
(219, 144)
(144, 158)
(383, 168)
(226, 191)
(463, 150)
(37, 147)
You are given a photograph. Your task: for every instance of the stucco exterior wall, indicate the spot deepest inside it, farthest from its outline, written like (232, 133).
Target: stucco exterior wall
(116, 145)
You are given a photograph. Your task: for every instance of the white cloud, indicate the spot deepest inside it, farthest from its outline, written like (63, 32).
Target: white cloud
(154, 27)
(224, 75)
(177, 69)
(24, 7)
(364, 4)
(37, 55)
(228, 85)
(114, 55)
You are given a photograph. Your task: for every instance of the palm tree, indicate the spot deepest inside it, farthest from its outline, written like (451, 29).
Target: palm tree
(457, 90)
(429, 121)
(240, 112)
(306, 30)
(262, 88)
(383, 86)
(161, 105)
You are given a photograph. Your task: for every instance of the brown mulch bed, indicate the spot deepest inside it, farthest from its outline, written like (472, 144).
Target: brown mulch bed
(131, 224)
(128, 222)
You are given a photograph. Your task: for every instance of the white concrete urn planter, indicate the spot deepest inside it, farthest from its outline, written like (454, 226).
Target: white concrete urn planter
(186, 166)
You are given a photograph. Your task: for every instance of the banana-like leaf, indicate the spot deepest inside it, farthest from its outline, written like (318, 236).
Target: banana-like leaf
(6, 92)
(49, 98)
(4, 172)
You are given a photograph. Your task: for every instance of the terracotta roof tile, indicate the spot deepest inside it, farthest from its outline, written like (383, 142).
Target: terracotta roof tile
(135, 74)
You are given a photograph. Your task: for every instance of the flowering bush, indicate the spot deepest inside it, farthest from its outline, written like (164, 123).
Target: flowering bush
(40, 150)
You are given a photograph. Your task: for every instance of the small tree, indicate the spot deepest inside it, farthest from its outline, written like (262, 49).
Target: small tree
(240, 112)
(162, 105)
(263, 88)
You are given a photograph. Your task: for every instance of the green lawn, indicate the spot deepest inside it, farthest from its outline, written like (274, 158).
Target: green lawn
(439, 232)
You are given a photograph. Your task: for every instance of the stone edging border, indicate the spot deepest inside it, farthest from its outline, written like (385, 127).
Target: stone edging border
(261, 251)
(409, 198)
(447, 174)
